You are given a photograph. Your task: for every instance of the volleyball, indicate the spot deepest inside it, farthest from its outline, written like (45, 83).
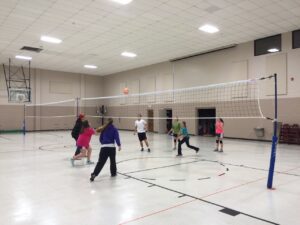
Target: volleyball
(125, 91)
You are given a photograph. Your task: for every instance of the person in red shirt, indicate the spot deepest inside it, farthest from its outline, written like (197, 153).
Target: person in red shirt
(220, 134)
(83, 143)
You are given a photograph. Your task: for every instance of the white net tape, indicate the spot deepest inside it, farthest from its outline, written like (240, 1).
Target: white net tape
(51, 116)
(239, 99)
(232, 100)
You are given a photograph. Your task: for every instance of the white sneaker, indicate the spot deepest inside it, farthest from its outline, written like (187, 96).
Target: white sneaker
(89, 162)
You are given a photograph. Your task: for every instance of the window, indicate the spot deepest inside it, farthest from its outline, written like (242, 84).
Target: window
(267, 45)
(296, 39)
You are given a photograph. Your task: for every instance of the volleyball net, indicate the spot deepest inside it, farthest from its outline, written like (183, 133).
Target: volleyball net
(235, 100)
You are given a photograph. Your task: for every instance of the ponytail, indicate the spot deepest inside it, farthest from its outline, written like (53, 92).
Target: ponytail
(102, 128)
(85, 124)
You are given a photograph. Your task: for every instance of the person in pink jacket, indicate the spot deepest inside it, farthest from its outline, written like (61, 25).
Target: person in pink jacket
(220, 134)
(83, 143)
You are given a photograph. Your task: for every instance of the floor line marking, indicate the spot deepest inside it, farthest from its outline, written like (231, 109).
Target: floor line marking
(200, 198)
(194, 199)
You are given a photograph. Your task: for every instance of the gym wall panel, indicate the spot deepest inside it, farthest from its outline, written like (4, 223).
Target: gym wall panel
(3, 91)
(148, 85)
(276, 63)
(122, 101)
(165, 82)
(293, 77)
(134, 88)
(58, 87)
(239, 70)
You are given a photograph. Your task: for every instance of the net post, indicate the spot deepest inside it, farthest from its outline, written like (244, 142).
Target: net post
(274, 139)
(77, 107)
(24, 120)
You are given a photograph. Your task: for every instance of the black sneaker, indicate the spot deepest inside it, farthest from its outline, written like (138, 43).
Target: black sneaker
(142, 149)
(113, 175)
(216, 150)
(92, 177)
(149, 150)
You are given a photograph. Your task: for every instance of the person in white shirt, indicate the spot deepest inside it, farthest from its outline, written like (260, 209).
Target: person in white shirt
(141, 129)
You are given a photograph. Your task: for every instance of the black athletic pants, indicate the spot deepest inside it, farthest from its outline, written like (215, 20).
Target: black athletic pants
(187, 141)
(106, 152)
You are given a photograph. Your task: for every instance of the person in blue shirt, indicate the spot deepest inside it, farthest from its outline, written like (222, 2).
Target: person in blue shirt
(108, 137)
(185, 138)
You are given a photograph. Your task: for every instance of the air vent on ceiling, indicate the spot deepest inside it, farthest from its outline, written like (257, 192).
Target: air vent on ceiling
(31, 49)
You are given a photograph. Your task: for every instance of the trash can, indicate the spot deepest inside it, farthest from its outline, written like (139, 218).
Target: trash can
(259, 131)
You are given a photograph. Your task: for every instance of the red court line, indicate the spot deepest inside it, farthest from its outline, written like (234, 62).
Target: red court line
(205, 196)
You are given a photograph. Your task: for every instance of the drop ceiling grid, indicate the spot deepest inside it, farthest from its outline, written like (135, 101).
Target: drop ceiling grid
(157, 30)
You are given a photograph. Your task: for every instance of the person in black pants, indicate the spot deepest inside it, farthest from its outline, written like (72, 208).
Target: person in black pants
(185, 139)
(76, 130)
(109, 135)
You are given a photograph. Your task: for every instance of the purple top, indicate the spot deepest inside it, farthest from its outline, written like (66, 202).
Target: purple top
(110, 135)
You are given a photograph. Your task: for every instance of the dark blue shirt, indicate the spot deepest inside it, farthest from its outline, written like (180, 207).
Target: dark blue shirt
(110, 135)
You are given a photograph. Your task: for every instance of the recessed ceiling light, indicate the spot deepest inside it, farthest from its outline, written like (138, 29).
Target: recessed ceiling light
(209, 28)
(51, 39)
(123, 2)
(91, 66)
(273, 50)
(23, 57)
(128, 54)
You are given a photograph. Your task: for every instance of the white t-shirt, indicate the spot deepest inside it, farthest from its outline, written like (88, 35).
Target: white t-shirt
(140, 126)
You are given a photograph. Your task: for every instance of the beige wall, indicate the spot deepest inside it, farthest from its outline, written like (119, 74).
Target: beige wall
(236, 63)
(50, 86)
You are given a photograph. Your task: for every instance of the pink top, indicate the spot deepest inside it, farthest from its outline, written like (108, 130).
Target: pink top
(85, 138)
(219, 127)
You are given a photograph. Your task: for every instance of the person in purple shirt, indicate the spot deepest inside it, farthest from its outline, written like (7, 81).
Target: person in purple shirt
(108, 137)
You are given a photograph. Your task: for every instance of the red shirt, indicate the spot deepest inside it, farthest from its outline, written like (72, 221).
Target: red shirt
(219, 127)
(85, 137)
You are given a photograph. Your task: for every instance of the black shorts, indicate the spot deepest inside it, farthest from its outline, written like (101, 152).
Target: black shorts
(142, 136)
(220, 135)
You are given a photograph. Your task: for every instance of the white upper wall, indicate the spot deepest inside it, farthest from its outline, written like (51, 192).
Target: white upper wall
(51, 86)
(237, 63)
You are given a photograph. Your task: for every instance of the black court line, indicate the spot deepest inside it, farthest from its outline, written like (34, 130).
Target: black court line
(148, 178)
(50, 134)
(230, 212)
(44, 147)
(260, 169)
(161, 167)
(205, 160)
(205, 178)
(200, 199)
(33, 150)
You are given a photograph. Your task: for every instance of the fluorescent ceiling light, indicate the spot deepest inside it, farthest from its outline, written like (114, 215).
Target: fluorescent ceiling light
(23, 57)
(51, 39)
(123, 2)
(128, 54)
(273, 50)
(91, 66)
(209, 28)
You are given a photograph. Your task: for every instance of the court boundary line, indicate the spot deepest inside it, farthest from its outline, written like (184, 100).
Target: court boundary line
(199, 198)
(205, 160)
(194, 199)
